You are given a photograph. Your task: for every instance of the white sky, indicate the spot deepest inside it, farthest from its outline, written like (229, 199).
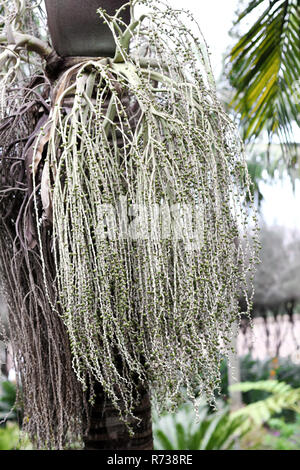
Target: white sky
(281, 204)
(215, 18)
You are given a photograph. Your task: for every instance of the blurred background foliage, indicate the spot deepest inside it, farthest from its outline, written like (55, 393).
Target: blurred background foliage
(271, 420)
(11, 436)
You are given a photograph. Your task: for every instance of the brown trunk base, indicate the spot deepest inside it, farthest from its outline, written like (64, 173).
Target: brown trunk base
(108, 432)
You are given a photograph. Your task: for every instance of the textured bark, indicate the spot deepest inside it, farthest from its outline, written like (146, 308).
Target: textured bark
(108, 432)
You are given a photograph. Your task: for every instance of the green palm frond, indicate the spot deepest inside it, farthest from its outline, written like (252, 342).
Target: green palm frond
(212, 431)
(282, 396)
(265, 72)
(8, 408)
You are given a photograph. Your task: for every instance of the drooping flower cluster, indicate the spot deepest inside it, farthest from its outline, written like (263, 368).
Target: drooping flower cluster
(141, 176)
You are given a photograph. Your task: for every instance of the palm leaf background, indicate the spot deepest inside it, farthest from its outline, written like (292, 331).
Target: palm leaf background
(265, 72)
(282, 396)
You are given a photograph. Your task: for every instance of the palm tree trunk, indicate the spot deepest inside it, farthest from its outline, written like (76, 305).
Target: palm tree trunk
(108, 432)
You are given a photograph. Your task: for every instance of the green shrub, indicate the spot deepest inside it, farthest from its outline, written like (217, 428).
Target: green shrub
(281, 396)
(211, 431)
(12, 439)
(282, 435)
(254, 370)
(224, 430)
(7, 400)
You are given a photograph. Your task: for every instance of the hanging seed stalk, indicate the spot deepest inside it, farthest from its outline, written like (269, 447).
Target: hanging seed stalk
(131, 238)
